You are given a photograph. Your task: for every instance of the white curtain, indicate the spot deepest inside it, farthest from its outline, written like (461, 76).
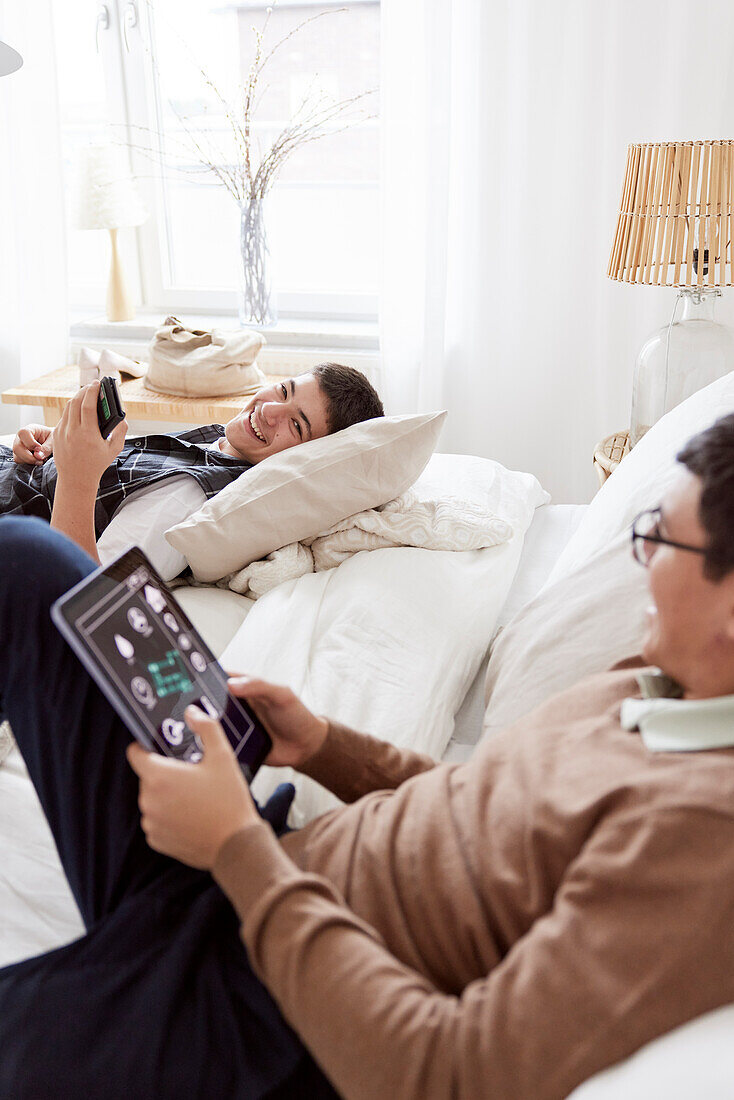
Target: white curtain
(506, 125)
(33, 307)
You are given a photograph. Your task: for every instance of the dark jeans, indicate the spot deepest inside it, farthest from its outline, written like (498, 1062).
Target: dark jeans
(157, 1000)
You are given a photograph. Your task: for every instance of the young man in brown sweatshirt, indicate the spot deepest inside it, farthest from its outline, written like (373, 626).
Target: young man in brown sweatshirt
(503, 928)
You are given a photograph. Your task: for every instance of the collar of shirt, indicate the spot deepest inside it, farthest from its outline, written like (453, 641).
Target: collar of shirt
(217, 446)
(668, 723)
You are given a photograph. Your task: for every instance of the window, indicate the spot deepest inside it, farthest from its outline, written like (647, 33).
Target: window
(140, 70)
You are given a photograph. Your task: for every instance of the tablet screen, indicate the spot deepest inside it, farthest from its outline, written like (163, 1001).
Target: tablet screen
(143, 651)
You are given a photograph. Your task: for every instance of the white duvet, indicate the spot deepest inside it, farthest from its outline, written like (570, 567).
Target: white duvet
(387, 643)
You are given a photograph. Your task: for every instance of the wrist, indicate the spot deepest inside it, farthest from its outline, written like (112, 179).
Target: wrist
(244, 828)
(317, 738)
(79, 483)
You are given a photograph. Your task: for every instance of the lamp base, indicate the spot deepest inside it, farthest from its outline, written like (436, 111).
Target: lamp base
(119, 303)
(680, 359)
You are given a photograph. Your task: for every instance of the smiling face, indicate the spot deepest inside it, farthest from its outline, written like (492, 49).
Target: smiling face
(288, 412)
(690, 625)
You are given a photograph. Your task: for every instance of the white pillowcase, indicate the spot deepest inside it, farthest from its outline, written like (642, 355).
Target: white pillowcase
(590, 612)
(304, 490)
(583, 624)
(642, 478)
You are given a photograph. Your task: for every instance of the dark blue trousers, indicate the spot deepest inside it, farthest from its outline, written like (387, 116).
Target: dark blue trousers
(157, 1000)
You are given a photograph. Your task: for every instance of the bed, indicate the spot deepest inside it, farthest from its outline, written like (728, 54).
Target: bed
(37, 907)
(390, 642)
(571, 604)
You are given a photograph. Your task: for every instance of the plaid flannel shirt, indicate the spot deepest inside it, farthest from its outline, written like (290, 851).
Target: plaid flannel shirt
(29, 490)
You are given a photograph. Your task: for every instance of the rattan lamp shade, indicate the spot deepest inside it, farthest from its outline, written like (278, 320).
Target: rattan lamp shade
(676, 206)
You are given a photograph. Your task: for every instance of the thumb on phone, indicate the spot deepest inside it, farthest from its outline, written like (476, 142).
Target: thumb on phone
(116, 438)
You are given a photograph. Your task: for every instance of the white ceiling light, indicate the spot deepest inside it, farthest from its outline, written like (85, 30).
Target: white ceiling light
(10, 59)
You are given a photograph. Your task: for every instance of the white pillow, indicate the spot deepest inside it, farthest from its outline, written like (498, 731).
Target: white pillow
(590, 612)
(583, 624)
(641, 479)
(693, 1061)
(301, 492)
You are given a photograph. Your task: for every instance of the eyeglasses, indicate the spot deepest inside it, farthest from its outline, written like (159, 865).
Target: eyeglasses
(646, 537)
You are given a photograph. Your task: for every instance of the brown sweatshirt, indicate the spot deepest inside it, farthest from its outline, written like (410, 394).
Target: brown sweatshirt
(502, 928)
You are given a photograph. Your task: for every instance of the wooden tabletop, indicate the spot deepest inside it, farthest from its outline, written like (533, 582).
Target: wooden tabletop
(52, 391)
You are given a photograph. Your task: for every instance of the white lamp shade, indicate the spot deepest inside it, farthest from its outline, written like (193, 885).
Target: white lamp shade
(10, 59)
(106, 195)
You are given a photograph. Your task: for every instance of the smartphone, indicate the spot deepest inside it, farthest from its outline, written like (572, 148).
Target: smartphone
(136, 642)
(110, 412)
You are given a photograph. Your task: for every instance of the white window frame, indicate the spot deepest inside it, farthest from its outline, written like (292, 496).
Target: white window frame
(131, 93)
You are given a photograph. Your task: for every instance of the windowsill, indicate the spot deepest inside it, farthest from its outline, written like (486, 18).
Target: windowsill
(291, 333)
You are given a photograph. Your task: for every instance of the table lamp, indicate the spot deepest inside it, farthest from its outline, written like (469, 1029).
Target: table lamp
(10, 59)
(107, 198)
(675, 229)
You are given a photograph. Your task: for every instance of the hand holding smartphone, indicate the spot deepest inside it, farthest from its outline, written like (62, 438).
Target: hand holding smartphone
(110, 412)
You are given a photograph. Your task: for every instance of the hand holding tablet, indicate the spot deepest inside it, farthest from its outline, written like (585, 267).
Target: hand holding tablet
(139, 646)
(190, 813)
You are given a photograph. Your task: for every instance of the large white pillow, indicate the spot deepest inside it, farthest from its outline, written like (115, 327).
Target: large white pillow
(301, 492)
(693, 1062)
(590, 612)
(641, 479)
(584, 623)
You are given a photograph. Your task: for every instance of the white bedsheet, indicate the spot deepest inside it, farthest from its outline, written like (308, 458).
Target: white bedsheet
(37, 911)
(357, 644)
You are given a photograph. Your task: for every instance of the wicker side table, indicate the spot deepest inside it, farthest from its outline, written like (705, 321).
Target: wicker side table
(609, 453)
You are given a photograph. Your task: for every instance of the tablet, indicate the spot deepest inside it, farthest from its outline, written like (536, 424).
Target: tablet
(138, 645)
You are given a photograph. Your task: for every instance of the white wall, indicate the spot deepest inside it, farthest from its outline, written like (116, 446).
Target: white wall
(519, 142)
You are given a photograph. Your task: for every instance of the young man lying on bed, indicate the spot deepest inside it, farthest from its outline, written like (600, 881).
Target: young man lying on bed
(105, 494)
(503, 928)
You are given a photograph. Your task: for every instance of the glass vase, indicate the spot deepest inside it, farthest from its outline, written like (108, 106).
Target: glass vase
(257, 304)
(682, 357)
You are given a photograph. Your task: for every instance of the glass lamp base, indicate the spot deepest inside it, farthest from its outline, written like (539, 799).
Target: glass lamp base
(681, 358)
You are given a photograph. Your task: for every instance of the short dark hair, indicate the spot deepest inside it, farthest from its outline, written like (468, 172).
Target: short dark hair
(350, 398)
(710, 456)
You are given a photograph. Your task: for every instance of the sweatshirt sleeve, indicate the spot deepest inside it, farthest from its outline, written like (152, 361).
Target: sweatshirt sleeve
(351, 764)
(588, 984)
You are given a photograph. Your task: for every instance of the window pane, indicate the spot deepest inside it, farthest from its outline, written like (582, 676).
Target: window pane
(84, 120)
(322, 218)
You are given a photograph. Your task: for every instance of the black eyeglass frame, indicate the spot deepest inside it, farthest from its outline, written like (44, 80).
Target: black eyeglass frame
(637, 536)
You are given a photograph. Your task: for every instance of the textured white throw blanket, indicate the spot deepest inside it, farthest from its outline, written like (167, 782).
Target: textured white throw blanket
(443, 524)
